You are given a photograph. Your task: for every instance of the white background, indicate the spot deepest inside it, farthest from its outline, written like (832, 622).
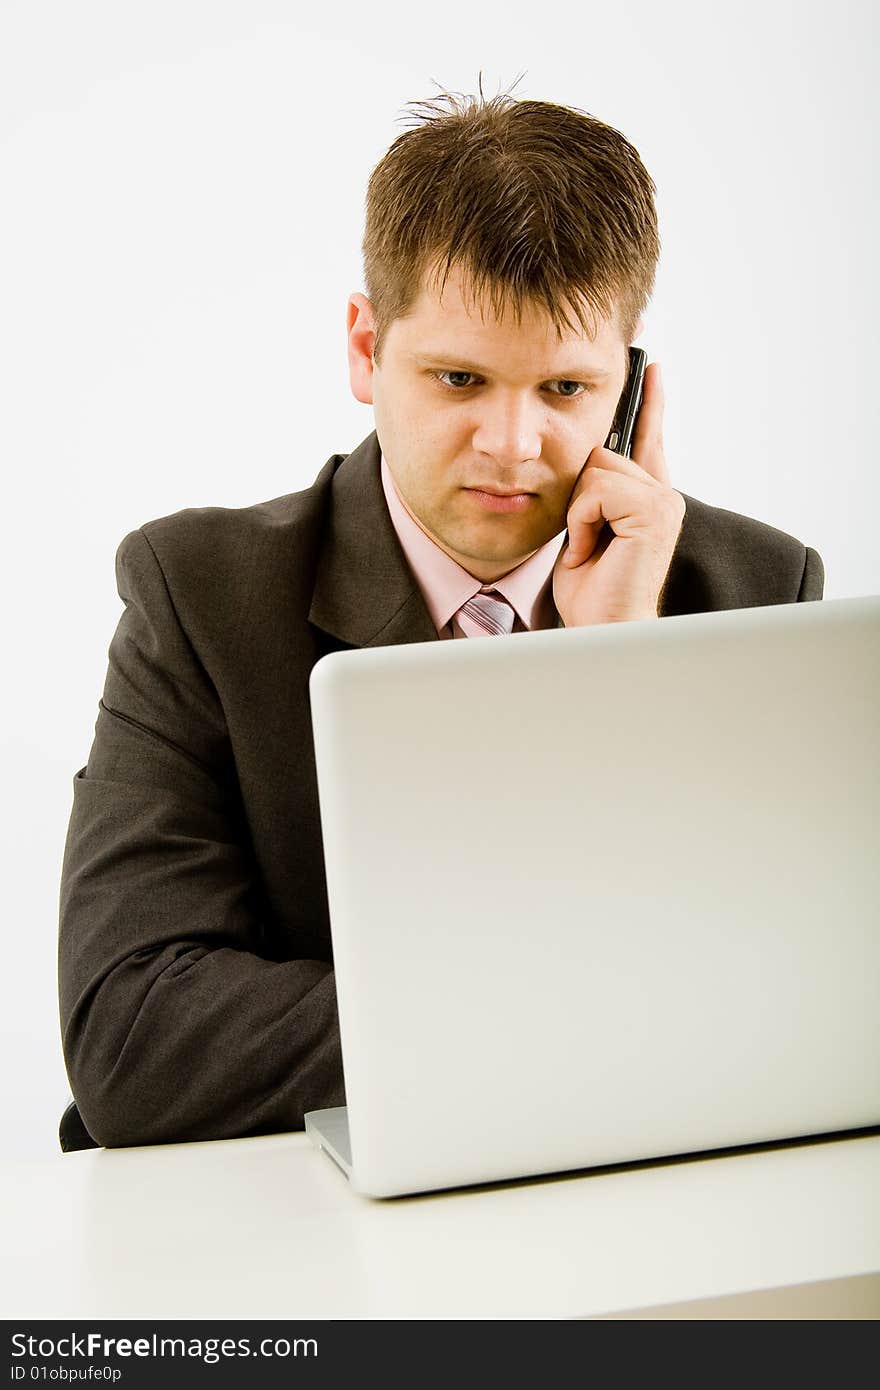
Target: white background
(183, 185)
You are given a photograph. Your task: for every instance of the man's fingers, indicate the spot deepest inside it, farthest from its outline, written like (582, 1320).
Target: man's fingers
(582, 538)
(604, 461)
(625, 500)
(605, 496)
(647, 445)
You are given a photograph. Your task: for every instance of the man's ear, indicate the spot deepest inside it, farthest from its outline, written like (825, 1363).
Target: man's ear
(361, 337)
(639, 328)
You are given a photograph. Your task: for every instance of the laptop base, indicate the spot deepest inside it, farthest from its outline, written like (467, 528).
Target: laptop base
(328, 1130)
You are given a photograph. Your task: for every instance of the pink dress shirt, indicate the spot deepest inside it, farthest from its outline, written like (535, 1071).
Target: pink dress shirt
(446, 586)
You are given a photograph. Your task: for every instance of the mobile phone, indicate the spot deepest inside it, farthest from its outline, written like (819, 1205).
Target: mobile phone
(620, 438)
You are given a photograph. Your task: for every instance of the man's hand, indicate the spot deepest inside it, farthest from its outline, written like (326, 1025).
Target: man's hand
(623, 523)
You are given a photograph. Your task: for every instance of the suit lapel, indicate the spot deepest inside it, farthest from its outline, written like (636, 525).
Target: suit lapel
(365, 594)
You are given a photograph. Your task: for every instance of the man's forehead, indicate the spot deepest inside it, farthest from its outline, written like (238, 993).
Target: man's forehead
(468, 343)
(456, 319)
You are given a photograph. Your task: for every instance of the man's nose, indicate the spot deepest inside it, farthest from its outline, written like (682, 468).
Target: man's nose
(508, 429)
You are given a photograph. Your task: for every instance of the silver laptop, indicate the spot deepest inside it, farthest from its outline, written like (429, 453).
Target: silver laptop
(602, 894)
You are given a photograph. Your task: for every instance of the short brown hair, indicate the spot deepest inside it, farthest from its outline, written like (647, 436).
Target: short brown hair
(535, 202)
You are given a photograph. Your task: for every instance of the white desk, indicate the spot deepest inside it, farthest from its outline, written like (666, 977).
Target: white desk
(268, 1227)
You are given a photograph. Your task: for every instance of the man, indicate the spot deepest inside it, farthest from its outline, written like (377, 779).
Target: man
(509, 254)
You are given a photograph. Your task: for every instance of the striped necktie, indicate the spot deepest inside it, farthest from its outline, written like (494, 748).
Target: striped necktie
(486, 616)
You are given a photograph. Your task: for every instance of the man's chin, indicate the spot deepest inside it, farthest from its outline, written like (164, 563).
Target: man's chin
(501, 540)
(503, 554)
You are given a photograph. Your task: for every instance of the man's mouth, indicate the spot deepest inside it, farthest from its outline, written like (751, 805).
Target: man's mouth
(500, 491)
(496, 501)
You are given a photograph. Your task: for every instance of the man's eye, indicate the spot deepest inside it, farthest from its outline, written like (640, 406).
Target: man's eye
(568, 395)
(462, 386)
(454, 386)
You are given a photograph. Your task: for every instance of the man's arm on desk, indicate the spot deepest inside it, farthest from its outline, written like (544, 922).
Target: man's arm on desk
(175, 1027)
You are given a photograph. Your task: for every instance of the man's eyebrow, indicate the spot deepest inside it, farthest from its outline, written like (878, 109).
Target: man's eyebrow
(437, 359)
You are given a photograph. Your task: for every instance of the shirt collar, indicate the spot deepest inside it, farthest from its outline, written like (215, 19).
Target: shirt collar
(446, 585)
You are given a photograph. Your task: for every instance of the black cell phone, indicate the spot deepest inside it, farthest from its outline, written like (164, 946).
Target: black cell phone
(620, 438)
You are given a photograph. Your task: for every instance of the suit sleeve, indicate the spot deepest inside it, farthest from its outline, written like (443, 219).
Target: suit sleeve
(175, 1024)
(813, 578)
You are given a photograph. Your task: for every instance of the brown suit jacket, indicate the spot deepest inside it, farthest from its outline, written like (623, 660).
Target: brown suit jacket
(196, 982)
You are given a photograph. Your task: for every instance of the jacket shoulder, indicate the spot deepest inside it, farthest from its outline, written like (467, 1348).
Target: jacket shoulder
(223, 568)
(225, 535)
(726, 560)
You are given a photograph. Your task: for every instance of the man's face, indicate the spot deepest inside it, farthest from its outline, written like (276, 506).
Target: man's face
(463, 406)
